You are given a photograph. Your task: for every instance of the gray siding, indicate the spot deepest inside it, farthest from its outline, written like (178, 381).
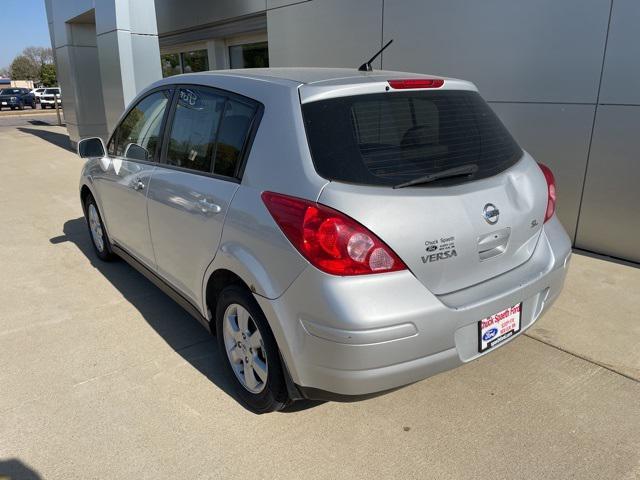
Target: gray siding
(563, 75)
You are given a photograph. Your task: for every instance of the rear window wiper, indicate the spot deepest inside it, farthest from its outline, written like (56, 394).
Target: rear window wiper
(464, 170)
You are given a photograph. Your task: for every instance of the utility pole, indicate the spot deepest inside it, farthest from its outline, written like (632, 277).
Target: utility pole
(55, 96)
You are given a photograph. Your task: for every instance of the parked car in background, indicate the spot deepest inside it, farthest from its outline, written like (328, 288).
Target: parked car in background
(343, 233)
(17, 98)
(49, 96)
(38, 93)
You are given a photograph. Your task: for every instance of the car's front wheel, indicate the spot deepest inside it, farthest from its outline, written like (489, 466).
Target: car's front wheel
(99, 237)
(249, 351)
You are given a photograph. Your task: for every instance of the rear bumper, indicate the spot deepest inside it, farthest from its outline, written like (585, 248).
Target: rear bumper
(353, 336)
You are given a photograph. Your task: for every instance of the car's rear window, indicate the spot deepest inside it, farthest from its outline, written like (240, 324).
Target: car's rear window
(391, 138)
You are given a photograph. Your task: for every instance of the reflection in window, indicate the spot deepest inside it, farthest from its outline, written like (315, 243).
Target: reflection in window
(195, 61)
(194, 130)
(233, 133)
(170, 64)
(138, 135)
(249, 55)
(186, 62)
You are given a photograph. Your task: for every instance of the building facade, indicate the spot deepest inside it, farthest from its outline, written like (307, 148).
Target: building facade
(563, 76)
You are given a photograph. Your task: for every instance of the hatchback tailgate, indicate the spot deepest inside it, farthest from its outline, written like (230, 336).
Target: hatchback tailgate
(455, 236)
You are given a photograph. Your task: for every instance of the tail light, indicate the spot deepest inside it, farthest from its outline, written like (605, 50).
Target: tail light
(416, 83)
(551, 188)
(331, 241)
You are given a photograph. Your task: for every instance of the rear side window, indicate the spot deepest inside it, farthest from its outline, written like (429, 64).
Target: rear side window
(194, 129)
(232, 136)
(391, 138)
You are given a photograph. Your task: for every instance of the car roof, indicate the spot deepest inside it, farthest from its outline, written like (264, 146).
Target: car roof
(307, 75)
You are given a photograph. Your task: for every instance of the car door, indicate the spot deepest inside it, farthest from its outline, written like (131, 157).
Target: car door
(193, 186)
(124, 182)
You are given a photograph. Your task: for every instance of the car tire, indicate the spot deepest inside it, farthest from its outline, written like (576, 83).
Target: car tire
(97, 232)
(21, 106)
(34, 105)
(238, 318)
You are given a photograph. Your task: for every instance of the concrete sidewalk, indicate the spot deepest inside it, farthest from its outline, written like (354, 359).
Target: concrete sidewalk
(103, 376)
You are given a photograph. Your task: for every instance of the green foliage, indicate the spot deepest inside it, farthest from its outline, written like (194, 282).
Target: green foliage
(22, 68)
(48, 75)
(34, 63)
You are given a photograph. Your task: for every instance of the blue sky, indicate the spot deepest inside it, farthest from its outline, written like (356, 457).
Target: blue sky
(23, 23)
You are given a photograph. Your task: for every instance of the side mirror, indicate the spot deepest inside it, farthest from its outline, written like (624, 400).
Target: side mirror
(91, 148)
(136, 152)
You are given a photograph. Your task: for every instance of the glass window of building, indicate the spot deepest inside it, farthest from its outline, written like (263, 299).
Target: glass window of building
(171, 64)
(195, 61)
(249, 55)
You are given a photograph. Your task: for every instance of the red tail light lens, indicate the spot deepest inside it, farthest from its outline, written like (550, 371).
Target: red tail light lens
(551, 187)
(416, 83)
(331, 241)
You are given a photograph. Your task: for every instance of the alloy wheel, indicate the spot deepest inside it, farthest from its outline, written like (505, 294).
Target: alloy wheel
(245, 348)
(96, 228)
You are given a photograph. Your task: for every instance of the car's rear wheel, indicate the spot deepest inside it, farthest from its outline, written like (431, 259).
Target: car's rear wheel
(34, 104)
(99, 237)
(249, 351)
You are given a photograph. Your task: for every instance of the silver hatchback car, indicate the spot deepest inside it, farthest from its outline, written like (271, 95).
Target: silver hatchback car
(343, 233)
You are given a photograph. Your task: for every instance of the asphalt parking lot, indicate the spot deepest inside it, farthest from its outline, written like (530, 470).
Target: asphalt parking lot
(103, 376)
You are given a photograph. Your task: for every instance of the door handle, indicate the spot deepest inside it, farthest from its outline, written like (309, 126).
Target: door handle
(209, 207)
(137, 184)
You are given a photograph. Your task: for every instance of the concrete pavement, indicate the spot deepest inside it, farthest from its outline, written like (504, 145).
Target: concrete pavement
(103, 376)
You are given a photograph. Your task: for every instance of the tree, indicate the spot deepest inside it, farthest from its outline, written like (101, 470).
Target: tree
(4, 72)
(48, 75)
(22, 68)
(38, 55)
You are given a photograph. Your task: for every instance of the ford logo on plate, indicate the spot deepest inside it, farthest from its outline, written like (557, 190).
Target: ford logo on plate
(489, 334)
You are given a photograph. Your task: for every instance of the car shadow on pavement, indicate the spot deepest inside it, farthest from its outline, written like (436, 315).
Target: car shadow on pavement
(58, 139)
(15, 469)
(180, 330)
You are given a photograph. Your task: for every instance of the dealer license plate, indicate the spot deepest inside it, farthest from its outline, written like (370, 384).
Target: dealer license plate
(498, 327)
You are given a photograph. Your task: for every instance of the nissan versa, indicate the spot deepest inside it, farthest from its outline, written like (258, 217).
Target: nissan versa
(342, 232)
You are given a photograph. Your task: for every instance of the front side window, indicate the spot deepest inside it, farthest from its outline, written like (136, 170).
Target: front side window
(232, 137)
(138, 135)
(391, 138)
(194, 129)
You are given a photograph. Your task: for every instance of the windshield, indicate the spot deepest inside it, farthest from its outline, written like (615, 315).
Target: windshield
(52, 91)
(10, 91)
(391, 138)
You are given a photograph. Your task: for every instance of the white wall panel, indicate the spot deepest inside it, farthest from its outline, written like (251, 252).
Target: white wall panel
(621, 75)
(325, 33)
(610, 214)
(533, 51)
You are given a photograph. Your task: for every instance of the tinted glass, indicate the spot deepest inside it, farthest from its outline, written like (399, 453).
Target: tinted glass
(232, 137)
(195, 61)
(138, 135)
(390, 138)
(10, 91)
(170, 64)
(194, 129)
(249, 55)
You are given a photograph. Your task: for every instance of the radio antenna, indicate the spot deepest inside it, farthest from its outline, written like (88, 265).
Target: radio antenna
(366, 67)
